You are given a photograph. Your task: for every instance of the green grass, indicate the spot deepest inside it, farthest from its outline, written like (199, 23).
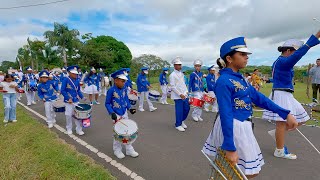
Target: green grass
(29, 150)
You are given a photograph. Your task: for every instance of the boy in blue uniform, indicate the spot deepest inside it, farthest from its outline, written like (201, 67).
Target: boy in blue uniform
(70, 89)
(143, 88)
(196, 87)
(46, 90)
(30, 82)
(282, 90)
(164, 85)
(232, 131)
(211, 81)
(117, 104)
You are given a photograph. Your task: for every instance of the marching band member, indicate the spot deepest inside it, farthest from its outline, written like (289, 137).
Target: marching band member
(179, 93)
(101, 81)
(211, 81)
(164, 85)
(92, 86)
(46, 93)
(129, 83)
(9, 98)
(196, 87)
(19, 82)
(117, 104)
(70, 89)
(63, 75)
(143, 88)
(30, 83)
(232, 130)
(282, 91)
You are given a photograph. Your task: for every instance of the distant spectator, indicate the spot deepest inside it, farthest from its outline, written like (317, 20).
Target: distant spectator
(314, 75)
(256, 80)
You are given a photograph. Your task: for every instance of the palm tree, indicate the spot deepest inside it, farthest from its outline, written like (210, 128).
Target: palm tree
(62, 37)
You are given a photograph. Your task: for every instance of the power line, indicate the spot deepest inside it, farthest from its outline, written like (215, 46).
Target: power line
(32, 5)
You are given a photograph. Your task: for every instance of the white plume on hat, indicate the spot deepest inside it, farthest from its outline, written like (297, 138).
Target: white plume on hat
(197, 62)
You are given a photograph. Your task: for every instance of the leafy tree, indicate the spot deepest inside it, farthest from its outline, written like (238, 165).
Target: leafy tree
(5, 65)
(65, 39)
(106, 52)
(154, 63)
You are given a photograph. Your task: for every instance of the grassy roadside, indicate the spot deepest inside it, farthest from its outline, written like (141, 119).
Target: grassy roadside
(28, 150)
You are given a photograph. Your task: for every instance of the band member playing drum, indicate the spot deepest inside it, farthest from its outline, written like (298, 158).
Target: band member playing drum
(46, 93)
(232, 130)
(179, 93)
(30, 83)
(164, 85)
(92, 81)
(196, 87)
(211, 81)
(63, 75)
(70, 89)
(143, 86)
(282, 91)
(117, 104)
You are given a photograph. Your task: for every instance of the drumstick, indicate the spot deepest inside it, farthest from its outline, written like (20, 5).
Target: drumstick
(78, 106)
(122, 123)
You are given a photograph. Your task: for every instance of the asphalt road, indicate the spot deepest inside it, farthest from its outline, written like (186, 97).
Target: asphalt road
(168, 154)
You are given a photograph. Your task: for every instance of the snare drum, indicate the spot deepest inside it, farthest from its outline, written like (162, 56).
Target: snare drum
(125, 131)
(59, 106)
(196, 102)
(208, 99)
(154, 95)
(32, 85)
(133, 99)
(82, 111)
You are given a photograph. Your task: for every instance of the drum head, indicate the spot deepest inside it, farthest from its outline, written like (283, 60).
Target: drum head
(154, 92)
(125, 127)
(133, 97)
(85, 107)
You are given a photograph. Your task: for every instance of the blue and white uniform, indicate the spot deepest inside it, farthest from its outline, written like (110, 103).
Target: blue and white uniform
(46, 92)
(143, 89)
(117, 102)
(196, 88)
(70, 89)
(211, 81)
(62, 76)
(178, 87)
(282, 89)
(232, 130)
(92, 82)
(164, 85)
(30, 83)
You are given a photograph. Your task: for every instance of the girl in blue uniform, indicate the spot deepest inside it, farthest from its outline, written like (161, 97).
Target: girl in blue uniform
(232, 130)
(46, 93)
(92, 86)
(282, 91)
(164, 85)
(211, 81)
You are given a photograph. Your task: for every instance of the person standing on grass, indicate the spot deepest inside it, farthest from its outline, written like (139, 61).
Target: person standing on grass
(232, 131)
(70, 89)
(314, 74)
(117, 104)
(164, 85)
(179, 93)
(256, 80)
(46, 93)
(282, 91)
(196, 87)
(92, 81)
(144, 86)
(9, 88)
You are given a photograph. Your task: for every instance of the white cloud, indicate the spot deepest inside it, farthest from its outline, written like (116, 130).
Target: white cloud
(192, 29)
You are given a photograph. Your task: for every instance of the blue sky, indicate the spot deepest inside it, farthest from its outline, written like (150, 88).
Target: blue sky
(167, 28)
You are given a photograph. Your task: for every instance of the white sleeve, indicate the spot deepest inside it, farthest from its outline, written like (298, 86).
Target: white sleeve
(173, 84)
